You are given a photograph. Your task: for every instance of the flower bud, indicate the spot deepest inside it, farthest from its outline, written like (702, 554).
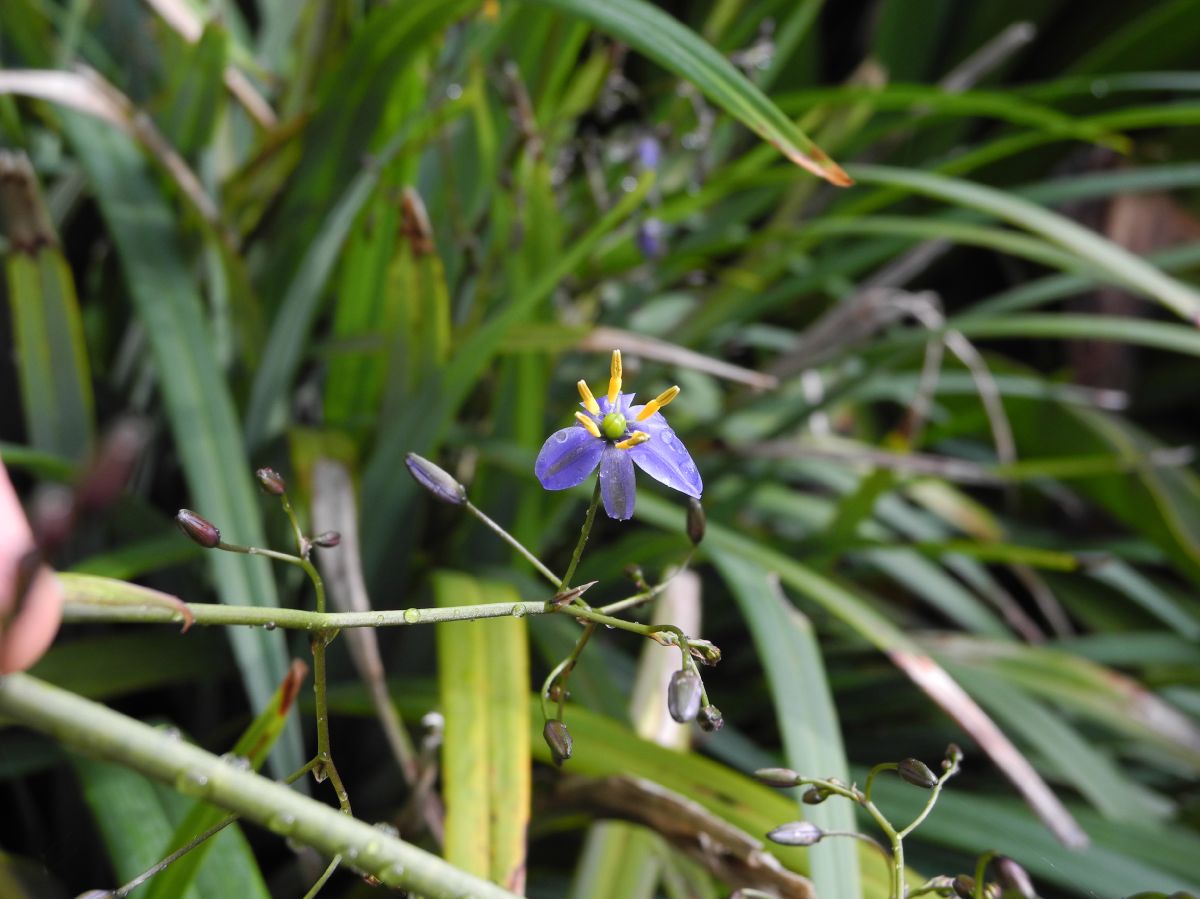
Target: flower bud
(710, 719)
(695, 521)
(963, 886)
(558, 738)
(328, 539)
(953, 755)
(917, 773)
(96, 894)
(436, 480)
(1013, 878)
(814, 796)
(704, 652)
(271, 481)
(683, 695)
(777, 777)
(199, 529)
(796, 833)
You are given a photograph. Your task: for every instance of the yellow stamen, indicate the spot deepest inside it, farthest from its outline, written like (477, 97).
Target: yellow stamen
(634, 439)
(614, 380)
(588, 400)
(591, 426)
(658, 402)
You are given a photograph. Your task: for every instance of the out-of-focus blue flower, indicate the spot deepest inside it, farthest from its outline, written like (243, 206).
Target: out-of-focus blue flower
(613, 434)
(649, 237)
(649, 152)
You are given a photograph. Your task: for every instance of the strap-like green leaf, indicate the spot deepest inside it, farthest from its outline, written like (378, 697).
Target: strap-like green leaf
(677, 48)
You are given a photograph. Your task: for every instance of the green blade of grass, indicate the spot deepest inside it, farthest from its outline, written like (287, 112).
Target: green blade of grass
(483, 673)
(198, 404)
(253, 745)
(1123, 266)
(52, 361)
(135, 818)
(679, 49)
(804, 708)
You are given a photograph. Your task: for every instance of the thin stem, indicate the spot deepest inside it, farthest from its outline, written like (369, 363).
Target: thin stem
(562, 671)
(897, 889)
(950, 771)
(325, 766)
(886, 766)
(162, 864)
(513, 542)
(648, 593)
(191, 844)
(324, 878)
(302, 545)
(981, 867)
(588, 520)
(288, 558)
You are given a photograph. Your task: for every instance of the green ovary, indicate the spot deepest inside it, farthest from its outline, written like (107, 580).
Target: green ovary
(613, 426)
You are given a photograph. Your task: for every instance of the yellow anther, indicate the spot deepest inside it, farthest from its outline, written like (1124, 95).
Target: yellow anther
(658, 402)
(588, 400)
(614, 380)
(634, 439)
(591, 426)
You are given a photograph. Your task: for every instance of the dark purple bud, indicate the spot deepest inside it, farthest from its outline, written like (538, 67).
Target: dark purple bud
(199, 529)
(963, 886)
(695, 521)
(436, 480)
(777, 777)
(649, 153)
(683, 695)
(710, 719)
(1013, 878)
(814, 796)
(796, 833)
(558, 738)
(328, 539)
(917, 773)
(649, 238)
(271, 481)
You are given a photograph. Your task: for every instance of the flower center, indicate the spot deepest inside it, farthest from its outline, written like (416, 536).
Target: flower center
(613, 426)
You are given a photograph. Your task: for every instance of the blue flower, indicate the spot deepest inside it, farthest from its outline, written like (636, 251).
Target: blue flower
(613, 434)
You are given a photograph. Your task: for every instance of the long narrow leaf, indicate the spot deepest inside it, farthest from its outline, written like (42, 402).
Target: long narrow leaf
(675, 47)
(198, 404)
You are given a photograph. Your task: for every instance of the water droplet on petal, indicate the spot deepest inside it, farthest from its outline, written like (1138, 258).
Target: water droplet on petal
(560, 436)
(668, 438)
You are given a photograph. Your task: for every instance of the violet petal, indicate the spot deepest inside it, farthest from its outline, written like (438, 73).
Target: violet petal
(663, 456)
(567, 458)
(617, 483)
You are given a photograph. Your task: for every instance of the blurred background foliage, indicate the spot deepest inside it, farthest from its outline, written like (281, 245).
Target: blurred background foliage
(944, 416)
